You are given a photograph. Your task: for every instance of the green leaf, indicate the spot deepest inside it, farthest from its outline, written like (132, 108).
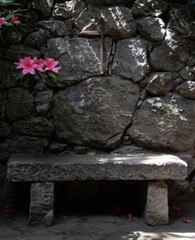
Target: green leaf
(19, 75)
(52, 74)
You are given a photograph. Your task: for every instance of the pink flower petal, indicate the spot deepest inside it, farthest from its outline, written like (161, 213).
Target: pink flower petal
(187, 221)
(131, 217)
(175, 207)
(15, 20)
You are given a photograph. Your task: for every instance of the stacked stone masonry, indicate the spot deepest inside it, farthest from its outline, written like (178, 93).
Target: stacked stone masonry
(144, 99)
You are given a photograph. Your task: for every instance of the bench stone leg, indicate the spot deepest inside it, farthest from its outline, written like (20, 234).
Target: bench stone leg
(157, 212)
(41, 204)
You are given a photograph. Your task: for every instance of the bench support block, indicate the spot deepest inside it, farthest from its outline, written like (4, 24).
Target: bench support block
(157, 212)
(41, 204)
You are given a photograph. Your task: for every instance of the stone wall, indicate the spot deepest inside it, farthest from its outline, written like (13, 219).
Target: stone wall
(143, 100)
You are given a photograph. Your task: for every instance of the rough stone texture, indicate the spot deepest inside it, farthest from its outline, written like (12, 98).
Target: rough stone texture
(159, 83)
(151, 28)
(41, 204)
(57, 147)
(44, 7)
(175, 57)
(187, 89)
(5, 130)
(149, 8)
(172, 119)
(15, 52)
(56, 27)
(34, 126)
(157, 211)
(179, 19)
(20, 104)
(22, 167)
(69, 9)
(131, 63)
(124, 27)
(38, 38)
(104, 103)
(105, 2)
(26, 144)
(43, 101)
(3, 103)
(186, 73)
(7, 70)
(80, 58)
(4, 152)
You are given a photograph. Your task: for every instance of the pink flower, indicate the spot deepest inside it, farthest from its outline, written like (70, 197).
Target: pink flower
(39, 64)
(175, 207)
(187, 221)
(15, 20)
(8, 208)
(27, 64)
(51, 64)
(131, 217)
(2, 21)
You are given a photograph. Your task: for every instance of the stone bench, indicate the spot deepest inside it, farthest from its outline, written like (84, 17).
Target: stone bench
(43, 170)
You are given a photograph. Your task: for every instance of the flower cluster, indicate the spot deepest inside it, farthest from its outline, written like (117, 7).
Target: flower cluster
(10, 13)
(14, 20)
(39, 69)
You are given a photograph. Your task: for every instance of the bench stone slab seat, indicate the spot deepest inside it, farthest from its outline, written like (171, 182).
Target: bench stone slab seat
(43, 170)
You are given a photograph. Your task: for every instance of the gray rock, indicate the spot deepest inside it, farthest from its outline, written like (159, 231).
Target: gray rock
(187, 89)
(57, 147)
(79, 57)
(105, 2)
(68, 167)
(41, 205)
(21, 104)
(43, 101)
(56, 27)
(131, 63)
(15, 52)
(149, 8)
(81, 149)
(5, 130)
(38, 38)
(34, 126)
(151, 28)
(159, 83)
(68, 9)
(175, 57)
(186, 74)
(118, 21)
(20, 110)
(179, 18)
(171, 117)
(7, 70)
(4, 151)
(17, 95)
(157, 212)
(44, 7)
(26, 144)
(103, 103)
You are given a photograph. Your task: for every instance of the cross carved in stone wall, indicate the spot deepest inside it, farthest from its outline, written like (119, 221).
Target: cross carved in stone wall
(102, 34)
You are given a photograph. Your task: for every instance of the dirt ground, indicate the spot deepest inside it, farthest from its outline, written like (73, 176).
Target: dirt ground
(99, 227)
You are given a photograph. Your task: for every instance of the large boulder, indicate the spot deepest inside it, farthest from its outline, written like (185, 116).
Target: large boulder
(151, 28)
(130, 59)
(167, 122)
(118, 21)
(80, 57)
(171, 55)
(95, 112)
(44, 7)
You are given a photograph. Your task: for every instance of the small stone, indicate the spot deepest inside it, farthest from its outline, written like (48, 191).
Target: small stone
(187, 89)
(159, 83)
(81, 149)
(186, 74)
(57, 147)
(44, 7)
(48, 218)
(5, 130)
(37, 39)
